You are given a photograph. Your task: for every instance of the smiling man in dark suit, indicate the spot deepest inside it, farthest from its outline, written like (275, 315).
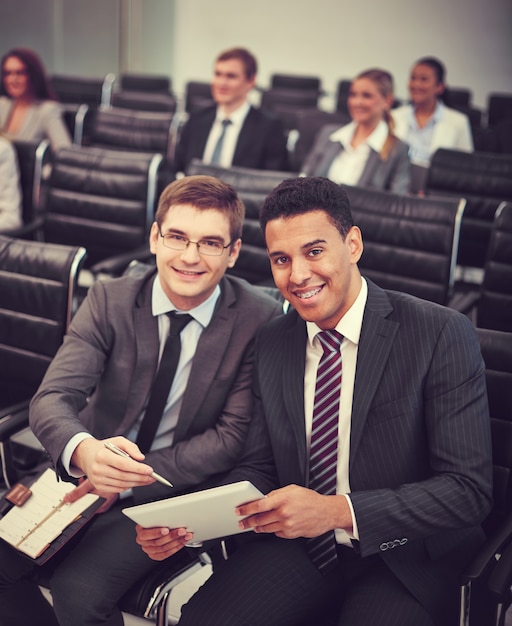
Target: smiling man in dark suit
(99, 385)
(380, 534)
(233, 132)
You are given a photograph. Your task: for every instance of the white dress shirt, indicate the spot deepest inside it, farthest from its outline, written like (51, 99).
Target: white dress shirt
(347, 168)
(237, 119)
(350, 327)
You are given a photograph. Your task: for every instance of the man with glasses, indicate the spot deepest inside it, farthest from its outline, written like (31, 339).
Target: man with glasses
(99, 385)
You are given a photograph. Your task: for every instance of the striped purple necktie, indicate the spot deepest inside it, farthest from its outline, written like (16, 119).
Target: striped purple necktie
(323, 453)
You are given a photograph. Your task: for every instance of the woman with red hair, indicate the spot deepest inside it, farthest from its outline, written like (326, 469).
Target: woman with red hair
(28, 107)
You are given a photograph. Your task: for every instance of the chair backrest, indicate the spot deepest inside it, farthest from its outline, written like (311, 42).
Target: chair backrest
(132, 81)
(252, 185)
(144, 101)
(410, 243)
(198, 94)
(456, 97)
(296, 82)
(287, 103)
(83, 90)
(499, 107)
(37, 298)
(309, 124)
(101, 199)
(129, 130)
(496, 347)
(484, 180)
(32, 156)
(494, 308)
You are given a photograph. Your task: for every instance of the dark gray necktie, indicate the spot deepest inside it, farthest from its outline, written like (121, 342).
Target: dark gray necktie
(218, 148)
(163, 381)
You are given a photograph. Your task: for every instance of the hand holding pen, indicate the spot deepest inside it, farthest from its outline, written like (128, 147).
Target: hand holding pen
(113, 448)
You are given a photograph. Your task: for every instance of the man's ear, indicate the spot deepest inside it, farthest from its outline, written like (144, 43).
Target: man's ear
(153, 237)
(355, 242)
(234, 252)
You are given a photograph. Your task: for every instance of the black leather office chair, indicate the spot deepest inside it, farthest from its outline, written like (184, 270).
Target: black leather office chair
(144, 92)
(484, 180)
(37, 298)
(287, 104)
(32, 157)
(494, 305)
(80, 97)
(131, 130)
(499, 107)
(101, 199)
(410, 243)
(486, 584)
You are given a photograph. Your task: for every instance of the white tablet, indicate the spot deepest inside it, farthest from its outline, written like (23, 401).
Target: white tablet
(209, 514)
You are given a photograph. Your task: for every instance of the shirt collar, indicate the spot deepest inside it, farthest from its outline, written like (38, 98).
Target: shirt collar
(202, 313)
(350, 324)
(237, 117)
(375, 140)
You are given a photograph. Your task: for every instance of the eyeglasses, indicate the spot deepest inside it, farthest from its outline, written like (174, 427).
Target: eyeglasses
(206, 247)
(17, 73)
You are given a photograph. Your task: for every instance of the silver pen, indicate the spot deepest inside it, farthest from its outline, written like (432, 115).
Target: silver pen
(110, 446)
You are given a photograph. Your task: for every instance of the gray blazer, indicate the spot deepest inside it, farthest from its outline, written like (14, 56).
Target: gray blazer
(43, 121)
(420, 453)
(393, 174)
(102, 374)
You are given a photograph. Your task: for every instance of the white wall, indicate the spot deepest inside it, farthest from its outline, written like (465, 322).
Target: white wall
(339, 38)
(331, 38)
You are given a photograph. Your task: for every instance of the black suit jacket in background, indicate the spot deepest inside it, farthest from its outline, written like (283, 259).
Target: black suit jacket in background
(261, 143)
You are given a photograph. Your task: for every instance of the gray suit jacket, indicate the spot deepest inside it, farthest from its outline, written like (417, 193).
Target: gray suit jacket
(102, 374)
(391, 175)
(420, 454)
(43, 121)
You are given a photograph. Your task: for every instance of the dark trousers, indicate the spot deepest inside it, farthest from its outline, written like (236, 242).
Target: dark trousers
(272, 582)
(87, 578)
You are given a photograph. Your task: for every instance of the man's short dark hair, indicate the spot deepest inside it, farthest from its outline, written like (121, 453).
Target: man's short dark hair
(248, 60)
(296, 196)
(204, 192)
(436, 65)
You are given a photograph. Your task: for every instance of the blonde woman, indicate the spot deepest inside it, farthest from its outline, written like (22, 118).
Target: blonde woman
(365, 152)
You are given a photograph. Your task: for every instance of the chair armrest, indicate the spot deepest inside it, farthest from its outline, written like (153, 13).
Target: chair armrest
(115, 266)
(498, 542)
(13, 419)
(501, 578)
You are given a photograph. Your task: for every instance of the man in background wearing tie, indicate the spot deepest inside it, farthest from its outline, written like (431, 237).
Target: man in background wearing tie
(233, 132)
(105, 385)
(370, 437)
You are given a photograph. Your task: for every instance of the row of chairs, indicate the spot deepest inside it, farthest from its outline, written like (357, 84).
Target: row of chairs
(105, 200)
(38, 283)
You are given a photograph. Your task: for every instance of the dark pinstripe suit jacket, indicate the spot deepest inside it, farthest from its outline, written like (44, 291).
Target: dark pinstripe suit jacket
(420, 456)
(261, 143)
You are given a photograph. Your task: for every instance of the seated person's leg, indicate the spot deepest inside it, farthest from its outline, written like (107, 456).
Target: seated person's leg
(107, 561)
(266, 581)
(21, 601)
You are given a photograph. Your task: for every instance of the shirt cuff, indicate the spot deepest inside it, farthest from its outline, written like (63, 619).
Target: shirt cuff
(67, 453)
(355, 533)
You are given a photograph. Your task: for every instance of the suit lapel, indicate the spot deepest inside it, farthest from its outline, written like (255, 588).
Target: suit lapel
(332, 150)
(376, 341)
(147, 347)
(211, 349)
(370, 169)
(294, 360)
(246, 136)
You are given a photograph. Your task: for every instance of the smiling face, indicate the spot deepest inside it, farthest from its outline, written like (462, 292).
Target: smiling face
(187, 277)
(313, 267)
(16, 79)
(230, 85)
(424, 87)
(366, 104)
